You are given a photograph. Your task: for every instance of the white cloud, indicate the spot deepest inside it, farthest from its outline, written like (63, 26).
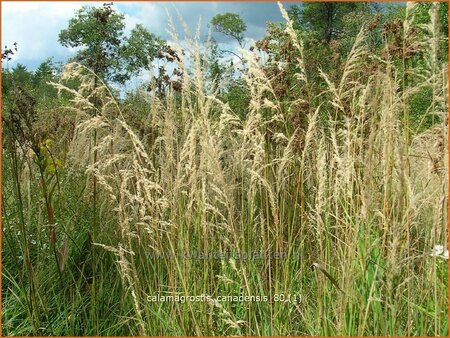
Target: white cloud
(35, 27)
(58, 8)
(130, 22)
(151, 15)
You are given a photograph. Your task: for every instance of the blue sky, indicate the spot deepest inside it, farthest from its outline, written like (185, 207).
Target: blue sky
(35, 25)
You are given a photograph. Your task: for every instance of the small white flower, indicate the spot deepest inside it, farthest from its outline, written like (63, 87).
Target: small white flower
(438, 251)
(281, 65)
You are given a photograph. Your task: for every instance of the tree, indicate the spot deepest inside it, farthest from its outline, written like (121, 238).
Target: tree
(215, 69)
(141, 46)
(325, 18)
(230, 24)
(45, 73)
(19, 75)
(295, 14)
(99, 31)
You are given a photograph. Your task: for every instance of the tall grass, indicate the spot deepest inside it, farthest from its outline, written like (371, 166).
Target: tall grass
(353, 203)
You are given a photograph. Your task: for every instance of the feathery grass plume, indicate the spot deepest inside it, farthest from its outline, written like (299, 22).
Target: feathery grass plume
(298, 44)
(198, 178)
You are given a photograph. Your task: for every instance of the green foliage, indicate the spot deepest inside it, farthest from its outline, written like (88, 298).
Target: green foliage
(46, 72)
(238, 97)
(19, 75)
(325, 18)
(230, 24)
(140, 48)
(216, 68)
(99, 32)
(247, 168)
(422, 15)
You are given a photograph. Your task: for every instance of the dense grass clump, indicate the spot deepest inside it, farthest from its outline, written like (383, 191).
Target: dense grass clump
(326, 204)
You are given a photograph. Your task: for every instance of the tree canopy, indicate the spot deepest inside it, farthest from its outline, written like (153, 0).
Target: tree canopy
(230, 24)
(325, 18)
(104, 48)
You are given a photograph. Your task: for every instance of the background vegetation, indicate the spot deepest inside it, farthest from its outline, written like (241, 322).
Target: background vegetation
(325, 143)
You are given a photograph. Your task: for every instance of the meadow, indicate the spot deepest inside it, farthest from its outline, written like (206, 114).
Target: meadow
(318, 206)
